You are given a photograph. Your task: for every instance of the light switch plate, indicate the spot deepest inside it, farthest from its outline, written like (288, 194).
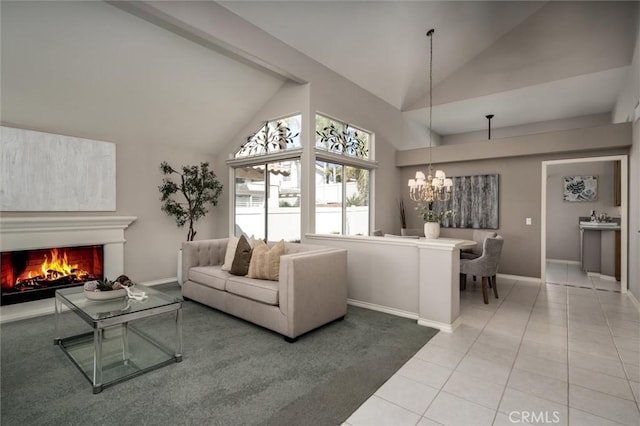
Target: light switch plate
(528, 221)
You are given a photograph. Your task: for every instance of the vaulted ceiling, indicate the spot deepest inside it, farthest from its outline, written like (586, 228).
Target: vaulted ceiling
(522, 61)
(91, 69)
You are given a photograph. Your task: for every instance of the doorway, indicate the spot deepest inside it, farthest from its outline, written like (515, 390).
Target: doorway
(548, 166)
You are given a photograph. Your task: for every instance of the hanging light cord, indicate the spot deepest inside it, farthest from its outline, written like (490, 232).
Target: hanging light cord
(430, 35)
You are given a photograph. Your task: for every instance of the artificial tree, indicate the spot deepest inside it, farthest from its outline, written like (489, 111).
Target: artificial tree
(199, 187)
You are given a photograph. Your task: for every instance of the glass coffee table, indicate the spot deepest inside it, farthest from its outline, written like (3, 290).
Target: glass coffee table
(120, 345)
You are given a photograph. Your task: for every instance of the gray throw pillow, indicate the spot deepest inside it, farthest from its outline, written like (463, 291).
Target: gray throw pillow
(241, 260)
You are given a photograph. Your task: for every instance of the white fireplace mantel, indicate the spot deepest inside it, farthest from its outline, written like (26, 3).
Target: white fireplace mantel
(27, 233)
(17, 233)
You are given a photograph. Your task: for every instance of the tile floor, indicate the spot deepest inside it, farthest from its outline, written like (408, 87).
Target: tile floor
(541, 354)
(572, 275)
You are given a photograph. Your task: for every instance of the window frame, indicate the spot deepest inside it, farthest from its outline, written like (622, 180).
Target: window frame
(308, 154)
(343, 189)
(265, 160)
(347, 160)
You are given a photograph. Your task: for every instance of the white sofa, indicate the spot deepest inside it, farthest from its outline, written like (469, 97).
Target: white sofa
(311, 291)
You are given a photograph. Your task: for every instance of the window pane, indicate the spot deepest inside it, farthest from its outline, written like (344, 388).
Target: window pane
(328, 198)
(357, 201)
(284, 201)
(273, 136)
(341, 138)
(250, 201)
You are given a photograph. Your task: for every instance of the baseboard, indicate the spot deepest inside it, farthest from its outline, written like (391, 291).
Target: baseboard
(634, 300)
(160, 281)
(564, 262)
(385, 309)
(520, 278)
(447, 328)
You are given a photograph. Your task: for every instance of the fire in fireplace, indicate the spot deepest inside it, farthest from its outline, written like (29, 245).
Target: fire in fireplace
(37, 274)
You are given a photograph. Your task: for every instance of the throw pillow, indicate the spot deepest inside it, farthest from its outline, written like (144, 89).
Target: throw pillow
(265, 262)
(230, 253)
(240, 265)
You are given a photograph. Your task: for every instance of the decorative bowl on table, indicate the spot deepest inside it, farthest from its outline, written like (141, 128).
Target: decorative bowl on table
(107, 289)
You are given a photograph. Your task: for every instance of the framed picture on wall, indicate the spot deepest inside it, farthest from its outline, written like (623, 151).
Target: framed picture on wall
(580, 188)
(474, 199)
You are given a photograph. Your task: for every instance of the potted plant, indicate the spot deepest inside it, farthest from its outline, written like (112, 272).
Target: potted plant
(197, 187)
(432, 219)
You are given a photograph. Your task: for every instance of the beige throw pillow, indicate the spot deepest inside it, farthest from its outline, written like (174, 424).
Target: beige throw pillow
(265, 262)
(230, 253)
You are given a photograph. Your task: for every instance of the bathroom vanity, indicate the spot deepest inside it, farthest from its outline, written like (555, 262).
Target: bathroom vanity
(600, 247)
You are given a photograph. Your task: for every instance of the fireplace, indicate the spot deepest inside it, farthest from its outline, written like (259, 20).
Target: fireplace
(34, 233)
(27, 275)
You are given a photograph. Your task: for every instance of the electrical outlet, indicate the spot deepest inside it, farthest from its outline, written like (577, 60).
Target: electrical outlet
(528, 221)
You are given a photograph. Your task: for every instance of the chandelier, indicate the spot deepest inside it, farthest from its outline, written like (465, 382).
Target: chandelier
(433, 187)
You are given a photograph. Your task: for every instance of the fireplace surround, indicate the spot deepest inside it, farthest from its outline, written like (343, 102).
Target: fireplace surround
(29, 233)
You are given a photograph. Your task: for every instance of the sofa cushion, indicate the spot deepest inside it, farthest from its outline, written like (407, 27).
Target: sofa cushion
(240, 265)
(254, 289)
(211, 276)
(265, 261)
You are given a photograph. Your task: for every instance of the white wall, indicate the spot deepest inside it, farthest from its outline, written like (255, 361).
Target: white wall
(153, 239)
(291, 99)
(337, 97)
(381, 271)
(507, 63)
(529, 129)
(634, 216)
(327, 92)
(627, 101)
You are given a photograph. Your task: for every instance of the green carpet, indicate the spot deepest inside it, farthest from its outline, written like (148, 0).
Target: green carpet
(232, 373)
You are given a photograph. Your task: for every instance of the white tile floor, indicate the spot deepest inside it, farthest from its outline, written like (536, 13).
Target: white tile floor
(549, 354)
(572, 275)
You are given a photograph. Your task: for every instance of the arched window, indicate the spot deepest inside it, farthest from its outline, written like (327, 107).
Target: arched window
(341, 138)
(274, 136)
(267, 175)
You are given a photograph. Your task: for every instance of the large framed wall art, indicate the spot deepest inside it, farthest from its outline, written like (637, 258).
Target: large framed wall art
(474, 200)
(46, 172)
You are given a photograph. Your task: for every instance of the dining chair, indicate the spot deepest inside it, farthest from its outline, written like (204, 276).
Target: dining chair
(479, 236)
(485, 266)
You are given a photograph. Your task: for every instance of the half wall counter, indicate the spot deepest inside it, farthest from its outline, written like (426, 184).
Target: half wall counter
(413, 278)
